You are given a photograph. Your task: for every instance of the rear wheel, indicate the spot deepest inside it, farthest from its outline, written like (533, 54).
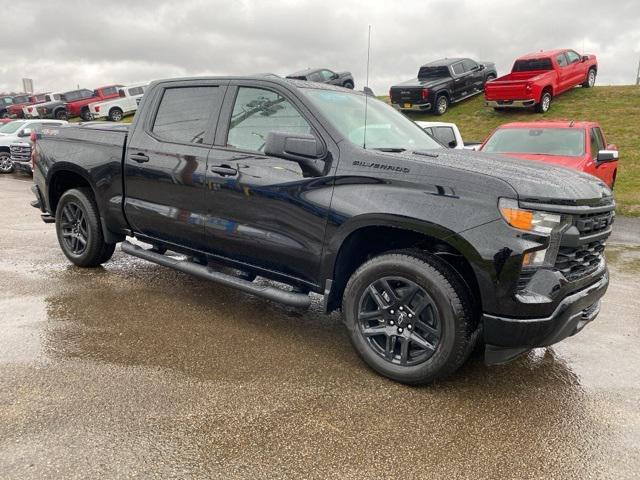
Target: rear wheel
(409, 317)
(348, 84)
(79, 230)
(61, 114)
(115, 114)
(489, 78)
(545, 103)
(6, 165)
(85, 114)
(442, 105)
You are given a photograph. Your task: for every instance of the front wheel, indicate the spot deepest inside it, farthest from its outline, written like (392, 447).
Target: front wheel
(348, 84)
(79, 230)
(6, 165)
(442, 105)
(409, 316)
(544, 104)
(61, 115)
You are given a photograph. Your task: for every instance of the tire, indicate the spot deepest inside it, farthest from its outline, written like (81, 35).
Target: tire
(442, 105)
(348, 84)
(6, 165)
(446, 317)
(489, 78)
(591, 78)
(115, 114)
(85, 115)
(544, 104)
(77, 218)
(61, 114)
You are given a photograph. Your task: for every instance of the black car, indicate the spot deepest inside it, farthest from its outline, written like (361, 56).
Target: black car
(442, 83)
(324, 75)
(426, 250)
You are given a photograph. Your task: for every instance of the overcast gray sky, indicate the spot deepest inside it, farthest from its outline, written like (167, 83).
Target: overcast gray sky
(64, 43)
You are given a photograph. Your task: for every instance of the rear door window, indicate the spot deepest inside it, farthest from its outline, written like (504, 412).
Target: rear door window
(184, 113)
(109, 91)
(458, 68)
(446, 135)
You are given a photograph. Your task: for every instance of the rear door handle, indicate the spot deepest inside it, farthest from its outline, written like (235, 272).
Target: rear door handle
(139, 157)
(224, 170)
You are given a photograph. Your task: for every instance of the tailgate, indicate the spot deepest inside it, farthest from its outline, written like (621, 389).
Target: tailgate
(400, 95)
(506, 90)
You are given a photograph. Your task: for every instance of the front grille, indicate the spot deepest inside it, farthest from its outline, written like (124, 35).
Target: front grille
(577, 262)
(20, 153)
(591, 223)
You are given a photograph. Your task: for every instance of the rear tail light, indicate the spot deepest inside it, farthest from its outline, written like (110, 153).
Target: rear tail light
(29, 109)
(97, 107)
(424, 93)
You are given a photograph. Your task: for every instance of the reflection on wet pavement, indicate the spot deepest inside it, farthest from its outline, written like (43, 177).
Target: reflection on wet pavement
(138, 370)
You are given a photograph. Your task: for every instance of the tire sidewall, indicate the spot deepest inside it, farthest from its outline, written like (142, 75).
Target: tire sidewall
(4, 156)
(94, 230)
(545, 95)
(430, 368)
(115, 112)
(439, 98)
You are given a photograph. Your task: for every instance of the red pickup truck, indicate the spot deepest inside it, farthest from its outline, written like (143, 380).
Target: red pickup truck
(538, 77)
(578, 145)
(79, 107)
(15, 110)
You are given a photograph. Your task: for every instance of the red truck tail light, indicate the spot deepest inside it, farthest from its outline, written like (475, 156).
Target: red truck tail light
(97, 107)
(29, 109)
(424, 94)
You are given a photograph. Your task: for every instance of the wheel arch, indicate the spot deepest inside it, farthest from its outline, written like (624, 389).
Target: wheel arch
(367, 236)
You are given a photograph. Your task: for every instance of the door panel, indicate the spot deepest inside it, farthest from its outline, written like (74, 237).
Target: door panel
(165, 165)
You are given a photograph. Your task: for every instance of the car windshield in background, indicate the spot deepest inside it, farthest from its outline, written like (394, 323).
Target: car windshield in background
(11, 127)
(387, 129)
(433, 72)
(543, 141)
(7, 101)
(532, 64)
(22, 99)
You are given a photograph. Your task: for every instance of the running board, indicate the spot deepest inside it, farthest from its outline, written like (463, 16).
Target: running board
(299, 300)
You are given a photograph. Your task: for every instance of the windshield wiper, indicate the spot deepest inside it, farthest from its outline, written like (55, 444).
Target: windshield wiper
(391, 149)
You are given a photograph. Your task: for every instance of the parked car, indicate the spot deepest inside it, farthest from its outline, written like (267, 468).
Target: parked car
(5, 101)
(16, 131)
(115, 109)
(31, 111)
(324, 75)
(424, 249)
(442, 83)
(448, 134)
(537, 78)
(57, 109)
(21, 156)
(16, 106)
(579, 145)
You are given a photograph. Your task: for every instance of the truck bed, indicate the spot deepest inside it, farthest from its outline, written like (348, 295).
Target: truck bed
(513, 86)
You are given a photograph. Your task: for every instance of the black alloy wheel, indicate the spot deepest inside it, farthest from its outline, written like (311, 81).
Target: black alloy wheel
(75, 232)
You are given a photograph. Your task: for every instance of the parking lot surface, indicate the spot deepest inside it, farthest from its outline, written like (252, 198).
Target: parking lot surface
(136, 371)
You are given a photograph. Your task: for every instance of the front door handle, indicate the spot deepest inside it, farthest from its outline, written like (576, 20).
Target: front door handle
(139, 157)
(224, 170)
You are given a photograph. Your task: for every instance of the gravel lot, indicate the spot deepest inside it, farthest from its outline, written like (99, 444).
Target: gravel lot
(137, 371)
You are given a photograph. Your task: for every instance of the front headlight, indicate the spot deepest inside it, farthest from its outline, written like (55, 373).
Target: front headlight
(542, 223)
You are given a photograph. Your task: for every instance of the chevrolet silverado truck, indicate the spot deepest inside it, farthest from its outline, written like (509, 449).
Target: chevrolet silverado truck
(324, 75)
(31, 111)
(441, 83)
(18, 131)
(116, 108)
(425, 250)
(537, 78)
(579, 145)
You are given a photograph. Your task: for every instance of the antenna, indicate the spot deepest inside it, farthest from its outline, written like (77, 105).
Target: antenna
(366, 97)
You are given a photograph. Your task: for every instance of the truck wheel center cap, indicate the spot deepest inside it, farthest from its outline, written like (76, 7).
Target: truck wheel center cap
(402, 319)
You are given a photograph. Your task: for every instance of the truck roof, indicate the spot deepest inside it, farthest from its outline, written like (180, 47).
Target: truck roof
(550, 124)
(443, 62)
(543, 54)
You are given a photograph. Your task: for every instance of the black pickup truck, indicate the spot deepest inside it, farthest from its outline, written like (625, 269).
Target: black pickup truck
(425, 250)
(441, 83)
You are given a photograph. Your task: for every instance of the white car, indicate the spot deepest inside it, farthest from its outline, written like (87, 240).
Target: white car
(116, 108)
(19, 131)
(447, 134)
(31, 111)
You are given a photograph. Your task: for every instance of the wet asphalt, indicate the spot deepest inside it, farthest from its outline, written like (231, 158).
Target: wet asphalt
(137, 371)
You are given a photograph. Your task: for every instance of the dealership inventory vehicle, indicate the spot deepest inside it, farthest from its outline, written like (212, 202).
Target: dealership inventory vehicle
(18, 131)
(448, 134)
(125, 104)
(31, 111)
(5, 101)
(18, 110)
(16, 106)
(324, 75)
(579, 145)
(426, 250)
(21, 156)
(441, 83)
(75, 103)
(537, 78)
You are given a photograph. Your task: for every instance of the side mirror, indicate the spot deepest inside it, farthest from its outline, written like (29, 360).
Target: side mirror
(25, 133)
(452, 144)
(605, 156)
(334, 76)
(584, 58)
(480, 67)
(304, 149)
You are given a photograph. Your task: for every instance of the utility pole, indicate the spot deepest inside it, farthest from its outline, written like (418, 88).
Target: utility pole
(638, 74)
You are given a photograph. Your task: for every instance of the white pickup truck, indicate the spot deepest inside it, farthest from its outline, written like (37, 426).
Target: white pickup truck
(31, 111)
(448, 134)
(116, 108)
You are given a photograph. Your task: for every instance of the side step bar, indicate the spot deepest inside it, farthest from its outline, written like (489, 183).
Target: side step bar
(299, 300)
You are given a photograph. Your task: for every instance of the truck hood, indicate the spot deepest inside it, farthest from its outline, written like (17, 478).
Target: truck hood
(532, 181)
(424, 83)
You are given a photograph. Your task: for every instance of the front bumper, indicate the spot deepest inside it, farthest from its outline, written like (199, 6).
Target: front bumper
(415, 107)
(23, 166)
(510, 103)
(507, 338)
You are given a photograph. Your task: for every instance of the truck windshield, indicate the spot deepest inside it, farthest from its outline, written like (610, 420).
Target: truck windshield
(387, 129)
(433, 72)
(11, 127)
(532, 64)
(564, 142)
